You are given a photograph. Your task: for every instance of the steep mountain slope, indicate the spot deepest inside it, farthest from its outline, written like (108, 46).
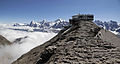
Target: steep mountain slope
(106, 35)
(4, 41)
(81, 43)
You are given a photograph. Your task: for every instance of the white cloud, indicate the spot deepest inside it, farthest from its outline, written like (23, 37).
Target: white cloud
(10, 53)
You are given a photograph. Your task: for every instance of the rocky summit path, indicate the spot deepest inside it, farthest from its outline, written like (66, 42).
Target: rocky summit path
(81, 43)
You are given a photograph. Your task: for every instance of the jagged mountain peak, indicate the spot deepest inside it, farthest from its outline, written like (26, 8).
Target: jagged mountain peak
(44, 21)
(59, 20)
(32, 22)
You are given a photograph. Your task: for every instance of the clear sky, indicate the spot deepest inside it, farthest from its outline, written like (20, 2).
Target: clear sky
(27, 10)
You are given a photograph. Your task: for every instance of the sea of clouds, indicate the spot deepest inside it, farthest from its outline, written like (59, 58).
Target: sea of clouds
(10, 53)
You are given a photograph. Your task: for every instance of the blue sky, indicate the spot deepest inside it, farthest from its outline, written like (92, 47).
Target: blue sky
(26, 10)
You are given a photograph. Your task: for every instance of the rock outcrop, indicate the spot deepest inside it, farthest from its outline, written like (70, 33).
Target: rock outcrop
(4, 41)
(81, 43)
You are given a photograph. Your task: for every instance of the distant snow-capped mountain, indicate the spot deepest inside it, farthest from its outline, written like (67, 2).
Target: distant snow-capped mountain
(43, 26)
(57, 25)
(112, 26)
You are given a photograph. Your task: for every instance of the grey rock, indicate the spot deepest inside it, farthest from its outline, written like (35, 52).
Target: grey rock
(4, 41)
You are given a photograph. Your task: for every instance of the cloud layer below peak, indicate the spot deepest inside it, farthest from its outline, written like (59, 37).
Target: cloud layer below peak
(10, 53)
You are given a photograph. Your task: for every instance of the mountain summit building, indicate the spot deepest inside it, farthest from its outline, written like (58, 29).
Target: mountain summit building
(81, 17)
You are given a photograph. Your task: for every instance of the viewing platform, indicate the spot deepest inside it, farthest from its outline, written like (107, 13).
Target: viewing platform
(81, 17)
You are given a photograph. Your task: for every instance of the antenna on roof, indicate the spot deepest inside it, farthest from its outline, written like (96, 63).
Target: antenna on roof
(79, 13)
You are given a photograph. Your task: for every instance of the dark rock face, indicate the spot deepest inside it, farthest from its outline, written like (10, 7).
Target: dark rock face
(18, 40)
(4, 41)
(77, 44)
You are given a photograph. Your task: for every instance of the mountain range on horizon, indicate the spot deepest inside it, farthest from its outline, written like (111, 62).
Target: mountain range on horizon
(57, 25)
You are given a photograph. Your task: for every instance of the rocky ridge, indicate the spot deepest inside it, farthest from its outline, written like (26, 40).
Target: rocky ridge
(4, 41)
(81, 43)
